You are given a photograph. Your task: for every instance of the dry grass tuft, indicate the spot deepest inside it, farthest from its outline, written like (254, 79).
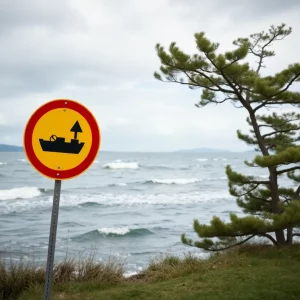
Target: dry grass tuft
(170, 266)
(15, 278)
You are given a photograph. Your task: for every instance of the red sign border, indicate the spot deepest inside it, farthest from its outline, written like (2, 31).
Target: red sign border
(27, 141)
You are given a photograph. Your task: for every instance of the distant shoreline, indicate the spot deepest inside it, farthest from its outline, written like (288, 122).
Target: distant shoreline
(13, 148)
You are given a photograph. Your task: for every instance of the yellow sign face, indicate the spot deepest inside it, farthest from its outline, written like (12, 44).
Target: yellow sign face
(62, 139)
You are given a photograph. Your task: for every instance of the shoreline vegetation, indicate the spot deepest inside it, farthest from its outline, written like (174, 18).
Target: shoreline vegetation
(250, 271)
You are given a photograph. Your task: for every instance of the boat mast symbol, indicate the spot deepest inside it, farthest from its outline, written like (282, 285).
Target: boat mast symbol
(58, 144)
(76, 128)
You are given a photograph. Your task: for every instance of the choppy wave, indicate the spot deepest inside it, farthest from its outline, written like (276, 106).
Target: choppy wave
(179, 181)
(22, 160)
(121, 165)
(216, 178)
(71, 201)
(202, 159)
(118, 184)
(113, 232)
(220, 158)
(20, 193)
(158, 167)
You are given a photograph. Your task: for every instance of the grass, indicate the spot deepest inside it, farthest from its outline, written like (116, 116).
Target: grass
(248, 272)
(17, 278)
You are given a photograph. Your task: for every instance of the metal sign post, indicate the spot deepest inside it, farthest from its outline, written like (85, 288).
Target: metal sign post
(52, 240)
(60, 157)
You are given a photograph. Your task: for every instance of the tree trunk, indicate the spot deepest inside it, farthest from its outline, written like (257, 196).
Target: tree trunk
(275, 201)
(289, 236)
(280, 238)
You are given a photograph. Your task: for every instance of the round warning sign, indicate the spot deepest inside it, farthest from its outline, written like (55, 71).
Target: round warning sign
(62, 139)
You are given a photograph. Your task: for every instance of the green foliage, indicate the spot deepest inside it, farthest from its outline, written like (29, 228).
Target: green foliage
(288, 156)
(252, 268)
(224, 77)
(15, 278)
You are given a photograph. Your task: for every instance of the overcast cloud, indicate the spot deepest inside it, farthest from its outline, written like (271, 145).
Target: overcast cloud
(101, 53)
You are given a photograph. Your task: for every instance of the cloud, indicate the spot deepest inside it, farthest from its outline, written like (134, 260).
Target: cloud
(102, 54)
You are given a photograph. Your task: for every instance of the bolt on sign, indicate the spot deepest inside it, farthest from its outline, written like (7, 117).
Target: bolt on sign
(61, 141)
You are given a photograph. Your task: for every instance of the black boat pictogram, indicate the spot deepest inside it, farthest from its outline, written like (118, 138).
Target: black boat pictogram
(58, 144)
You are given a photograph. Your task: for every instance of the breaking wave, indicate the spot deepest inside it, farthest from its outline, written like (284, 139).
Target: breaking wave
(202, 159)
(113, 232)
(20, 193)
(220, 158)
(3, 163)
(118, 184)
(179, 181)
(121, 165)
(23, 160)
(78, 201)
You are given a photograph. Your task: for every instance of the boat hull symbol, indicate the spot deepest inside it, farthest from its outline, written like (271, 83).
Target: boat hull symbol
(58, 144)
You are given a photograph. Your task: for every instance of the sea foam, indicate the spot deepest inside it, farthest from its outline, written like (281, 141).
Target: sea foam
(20, 193)
(114, 230)
(22, 160)
(202, 159)
(121, 165)
(179, 181)
(108, 199)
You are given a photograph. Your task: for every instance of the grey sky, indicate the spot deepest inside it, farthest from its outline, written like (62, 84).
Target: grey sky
(101, 53)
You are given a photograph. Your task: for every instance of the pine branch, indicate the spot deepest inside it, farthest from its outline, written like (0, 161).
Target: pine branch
(231, 63)
(231, 246)
(187, 83)
(280, 131)
(217, 102)
(288, 85)
(265, 103)
(279, 125)
(197, 83)
(258, 198)
(248, 192)
(261, 54)
(230, 83)
(257, 182)
(288, 170)
(203, 75)
(270, 238)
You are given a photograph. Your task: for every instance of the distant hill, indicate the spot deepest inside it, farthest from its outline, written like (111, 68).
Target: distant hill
(204, 150)
(10, 148)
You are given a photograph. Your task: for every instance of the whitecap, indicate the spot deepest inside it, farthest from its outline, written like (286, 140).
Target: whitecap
(114, 230)
(122, 200)
(175, 181)
(3, 163)
(22, 160)
(20, 193)
(118, 184)
(121, 165)
(202, 159)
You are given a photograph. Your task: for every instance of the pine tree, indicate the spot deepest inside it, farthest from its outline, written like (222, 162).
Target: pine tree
(273, 211)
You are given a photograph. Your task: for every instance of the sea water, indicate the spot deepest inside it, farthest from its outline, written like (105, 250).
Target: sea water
(132, 206)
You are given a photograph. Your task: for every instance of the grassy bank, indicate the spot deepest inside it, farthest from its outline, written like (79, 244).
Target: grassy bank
(250, 272)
